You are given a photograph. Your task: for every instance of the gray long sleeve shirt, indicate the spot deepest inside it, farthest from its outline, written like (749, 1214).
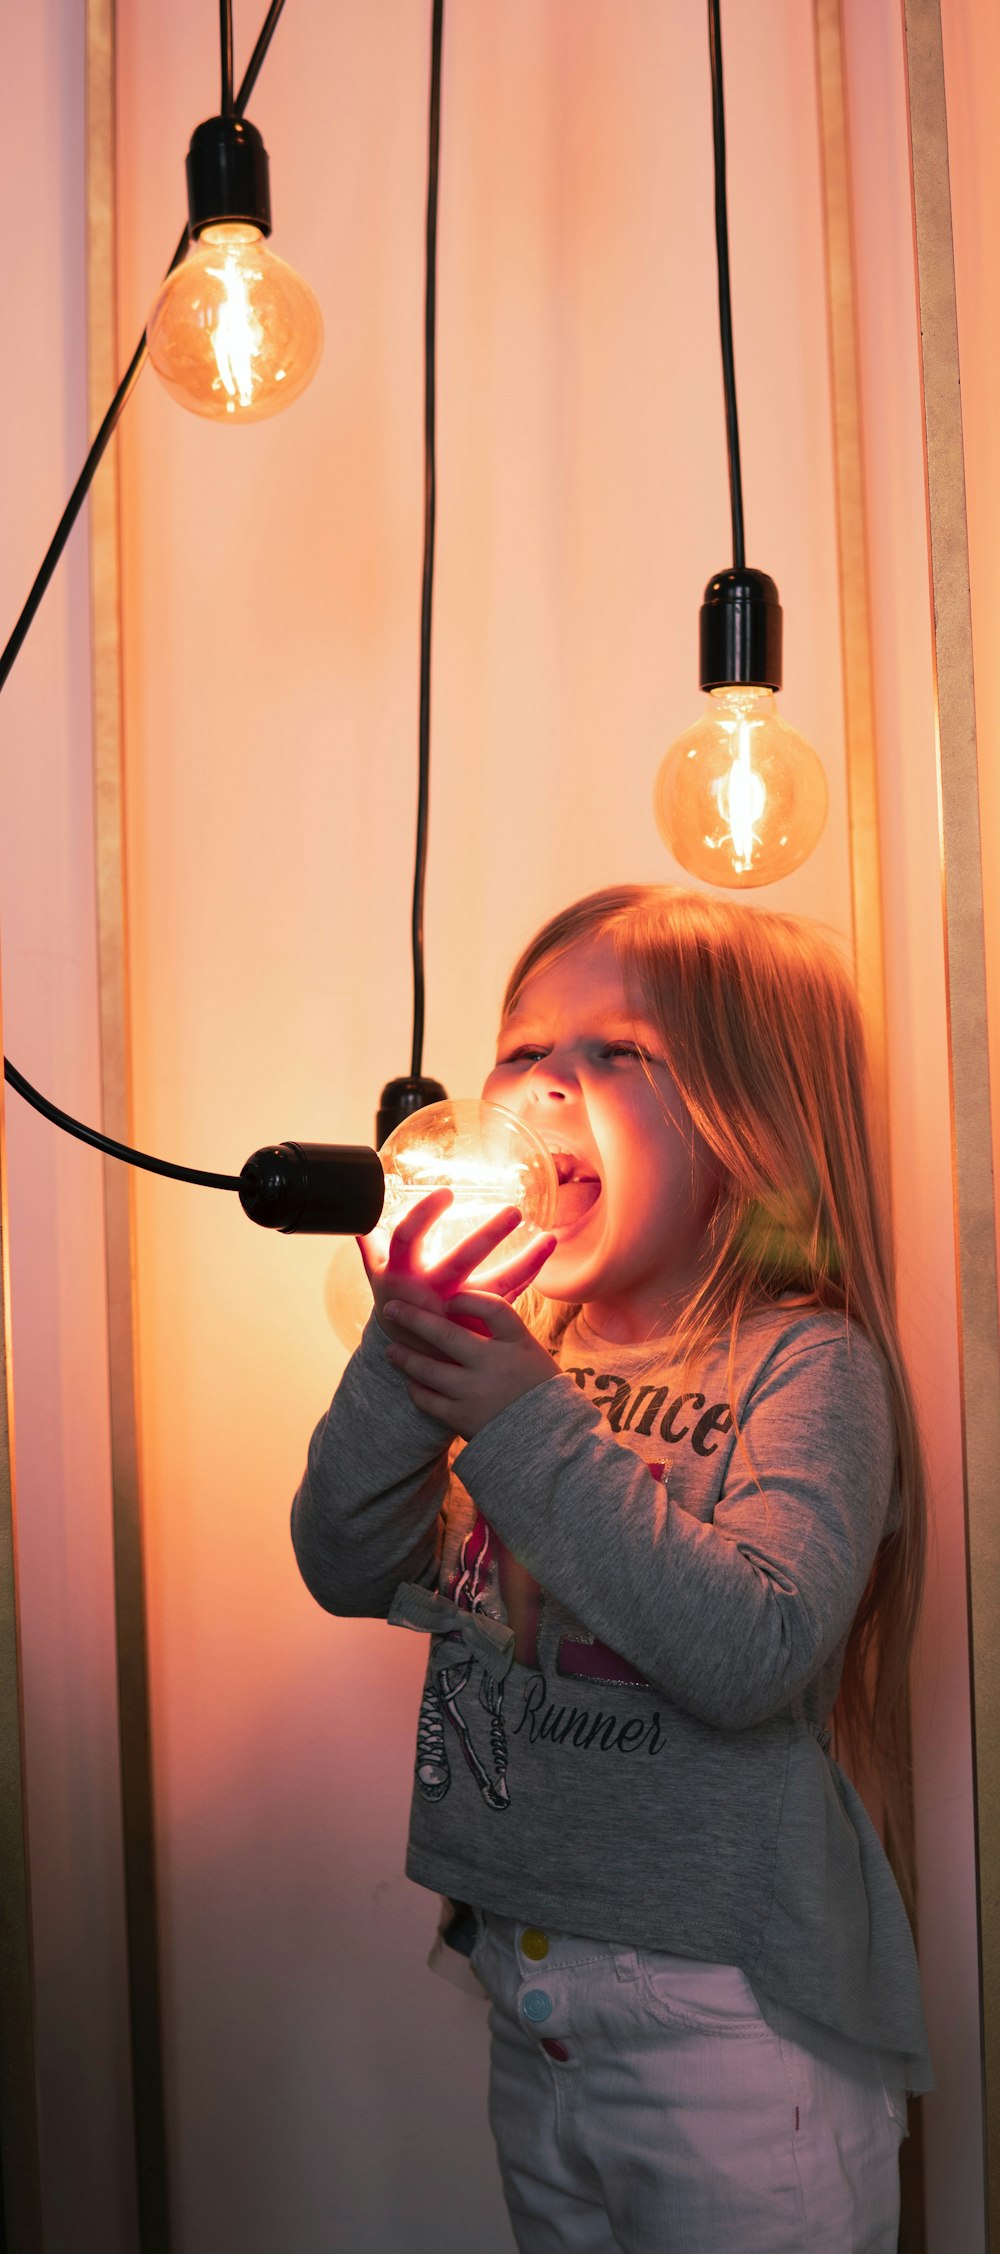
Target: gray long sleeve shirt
(638, 1623)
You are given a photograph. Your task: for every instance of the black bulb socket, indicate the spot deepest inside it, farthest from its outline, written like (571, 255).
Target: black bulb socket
(740, 631)
(227, 175)
(401, 1097)
(314, 1189)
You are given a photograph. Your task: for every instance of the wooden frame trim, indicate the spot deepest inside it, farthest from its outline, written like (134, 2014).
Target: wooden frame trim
(965, 990)
(860, 742)
(852, 535)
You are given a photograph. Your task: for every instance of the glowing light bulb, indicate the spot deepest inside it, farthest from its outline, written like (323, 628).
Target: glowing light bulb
(741, 798)
(234, 333)
(488, 1158)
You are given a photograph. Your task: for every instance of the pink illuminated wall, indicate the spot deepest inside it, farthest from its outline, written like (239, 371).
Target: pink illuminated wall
(326, 2093)
(272, 605)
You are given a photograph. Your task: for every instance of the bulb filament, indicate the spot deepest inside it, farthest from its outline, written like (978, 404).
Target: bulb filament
(236, 335)
(743, 796)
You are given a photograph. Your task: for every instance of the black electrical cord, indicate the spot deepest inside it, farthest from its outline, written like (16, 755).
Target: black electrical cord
(16, 1079)
(430, 494)
(62, 532)
(722, 257)
(86, 477)
(226, 37)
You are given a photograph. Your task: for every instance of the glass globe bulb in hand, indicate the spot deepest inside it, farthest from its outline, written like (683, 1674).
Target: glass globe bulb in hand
(470, 1194)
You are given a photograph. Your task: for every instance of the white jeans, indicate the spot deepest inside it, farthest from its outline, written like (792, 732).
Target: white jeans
(641, 2105)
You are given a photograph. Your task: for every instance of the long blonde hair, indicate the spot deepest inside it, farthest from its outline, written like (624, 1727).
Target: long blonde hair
(763, 1035)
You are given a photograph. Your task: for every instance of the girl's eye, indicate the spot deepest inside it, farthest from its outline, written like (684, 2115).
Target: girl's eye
(527, 1054)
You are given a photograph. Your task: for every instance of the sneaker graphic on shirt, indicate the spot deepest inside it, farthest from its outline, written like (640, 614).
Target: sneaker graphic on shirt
(449, 1676)
(432, 1771)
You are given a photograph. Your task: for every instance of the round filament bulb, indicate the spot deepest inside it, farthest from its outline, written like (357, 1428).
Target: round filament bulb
(741, 798)
(234, 333)
(487, 1158)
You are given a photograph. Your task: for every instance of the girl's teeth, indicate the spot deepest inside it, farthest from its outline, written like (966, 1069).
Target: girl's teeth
(568, 1168)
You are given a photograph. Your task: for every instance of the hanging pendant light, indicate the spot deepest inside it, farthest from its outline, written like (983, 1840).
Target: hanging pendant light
(234, 333)
(741, 798)
(412, 1091)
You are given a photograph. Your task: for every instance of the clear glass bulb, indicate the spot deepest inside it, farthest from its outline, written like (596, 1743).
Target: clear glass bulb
(487, 1157)
(234, 333)
(741, 798)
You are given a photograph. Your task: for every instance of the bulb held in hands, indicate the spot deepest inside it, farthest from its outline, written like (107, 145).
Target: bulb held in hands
(488, 1159)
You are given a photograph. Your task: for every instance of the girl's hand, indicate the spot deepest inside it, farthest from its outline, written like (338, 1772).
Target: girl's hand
(461, 1379)
(404, 1278)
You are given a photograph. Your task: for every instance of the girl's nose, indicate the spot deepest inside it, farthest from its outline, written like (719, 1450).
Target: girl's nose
(553, 1081)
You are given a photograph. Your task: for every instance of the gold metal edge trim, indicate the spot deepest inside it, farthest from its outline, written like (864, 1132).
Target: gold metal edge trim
(965, 967)
(852, 537)
(860, 740)
(135, 1736)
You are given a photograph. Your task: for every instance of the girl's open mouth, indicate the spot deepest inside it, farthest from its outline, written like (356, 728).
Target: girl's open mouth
(578, 1190)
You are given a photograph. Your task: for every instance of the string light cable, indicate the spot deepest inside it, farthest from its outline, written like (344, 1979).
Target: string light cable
(740, 798)
(430, 511)
(123, 393)
(316, 1188)
(725, 298)
(15, 643)
(415, 1091)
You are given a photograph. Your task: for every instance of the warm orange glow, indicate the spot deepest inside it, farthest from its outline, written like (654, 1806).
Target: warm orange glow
(270, 652)
(231, 325)
(487, 1158)
(741, 798)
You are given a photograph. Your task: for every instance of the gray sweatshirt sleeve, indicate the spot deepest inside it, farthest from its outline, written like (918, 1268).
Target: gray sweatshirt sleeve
(366, 1515)
(731, 1618)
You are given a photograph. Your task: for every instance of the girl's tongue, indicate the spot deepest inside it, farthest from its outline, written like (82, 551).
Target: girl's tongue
(574, 1200)
(575, 1195)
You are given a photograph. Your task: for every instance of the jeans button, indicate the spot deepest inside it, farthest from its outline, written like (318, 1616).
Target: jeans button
(536, 2005)
(534, 1944)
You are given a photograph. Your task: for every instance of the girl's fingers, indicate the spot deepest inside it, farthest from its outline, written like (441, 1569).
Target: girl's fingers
(513, 1280)
(501, 1321)
(408, 1292)
(466, 1256)
(408, 1232)
(397, 1325)
(433, 1405)
(445, 1378)
(452, 1339)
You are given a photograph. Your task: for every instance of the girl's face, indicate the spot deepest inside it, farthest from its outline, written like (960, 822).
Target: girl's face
(637, 1183)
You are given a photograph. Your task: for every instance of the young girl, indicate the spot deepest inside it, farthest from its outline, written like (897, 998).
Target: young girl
(656, 1519)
